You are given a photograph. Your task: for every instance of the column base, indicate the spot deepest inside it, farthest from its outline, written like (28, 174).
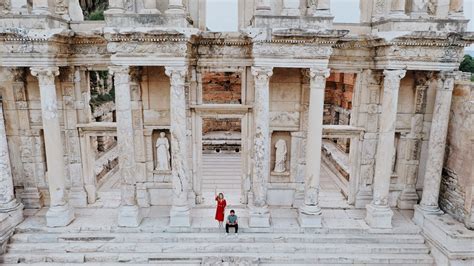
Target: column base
(14, 214)
(259, 217)
(421, 211)
(407, 199)
(177, 10)
(310, 216)
(58, 216)
(379, 216)
(180, 217)
(363, 198)
(78, 197)
(31, 198)
(129, 216)
(91, 192)
(398, 15)
(418, 15)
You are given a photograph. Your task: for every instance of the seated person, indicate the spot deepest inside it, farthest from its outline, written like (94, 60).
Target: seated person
(232, 222)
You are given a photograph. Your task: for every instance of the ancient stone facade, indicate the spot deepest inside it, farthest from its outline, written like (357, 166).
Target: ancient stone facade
(392, 86)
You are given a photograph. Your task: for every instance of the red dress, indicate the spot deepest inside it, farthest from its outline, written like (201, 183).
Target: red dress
(220, 209)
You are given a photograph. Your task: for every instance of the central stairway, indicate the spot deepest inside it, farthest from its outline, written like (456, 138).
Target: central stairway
(206, 248)
(221, 171)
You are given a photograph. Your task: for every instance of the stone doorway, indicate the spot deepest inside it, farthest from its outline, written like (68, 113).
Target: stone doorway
(221, 146)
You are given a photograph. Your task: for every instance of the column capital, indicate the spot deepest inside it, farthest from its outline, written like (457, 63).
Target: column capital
(447, 78)
(262, 72)
(177, 74)
(119, 70)
(45, 75)
(319, 72)
(393, 77)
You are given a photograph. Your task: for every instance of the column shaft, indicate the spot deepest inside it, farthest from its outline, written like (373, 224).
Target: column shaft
(175, 7)
(437, 143)
(180, 210)
(397, 9)
(129, 213)
(259, 215)
(60, 213)
(310, 212)
(379, 214)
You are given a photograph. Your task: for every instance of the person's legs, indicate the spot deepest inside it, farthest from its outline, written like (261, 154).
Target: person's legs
(236, 228)
(227, 228)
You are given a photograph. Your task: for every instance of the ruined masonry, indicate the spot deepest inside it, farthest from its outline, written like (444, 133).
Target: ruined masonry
(336, 143)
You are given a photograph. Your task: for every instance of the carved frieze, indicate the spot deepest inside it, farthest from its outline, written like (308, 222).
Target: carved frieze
(291, 50)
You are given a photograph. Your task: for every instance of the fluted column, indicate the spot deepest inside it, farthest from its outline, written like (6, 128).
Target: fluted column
(397, 9)
(379, 214)
(8, 203)
(310, 212)
(436, 148)
(291, 8)
(175, 7)
(129, 212)
(60, 212)
(259, 214)
(180, 210)
(263, 7)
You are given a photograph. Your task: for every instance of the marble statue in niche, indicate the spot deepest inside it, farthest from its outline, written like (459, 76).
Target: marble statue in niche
(280, 156)
(162, 153)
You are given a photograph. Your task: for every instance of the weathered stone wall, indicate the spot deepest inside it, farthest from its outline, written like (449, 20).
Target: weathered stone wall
(457, 180)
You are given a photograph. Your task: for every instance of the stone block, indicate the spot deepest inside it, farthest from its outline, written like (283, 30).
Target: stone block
(129, 216)
(379, 216)
(310, 221)
(59, 216)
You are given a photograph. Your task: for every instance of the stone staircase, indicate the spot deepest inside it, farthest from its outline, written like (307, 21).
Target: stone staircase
(221, 171)
(327, 247)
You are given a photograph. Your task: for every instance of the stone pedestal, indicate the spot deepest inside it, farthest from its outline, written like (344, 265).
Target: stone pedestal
(60, 212)
(310, 212)
(437, 143)
(421, 212)
(379, 214)
(259, 217)
(129, 214)
(180, 210)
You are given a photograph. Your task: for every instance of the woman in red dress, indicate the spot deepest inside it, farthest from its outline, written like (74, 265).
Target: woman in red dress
(221, 203)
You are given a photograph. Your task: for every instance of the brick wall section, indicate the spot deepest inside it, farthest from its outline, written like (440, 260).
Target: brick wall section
(209, 125)
(456, 182)
(221, 87)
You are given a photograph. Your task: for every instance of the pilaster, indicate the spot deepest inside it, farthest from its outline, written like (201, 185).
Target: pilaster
(259, 214)
(129, 213)
(60, 212)
(436, 148)
(180, 209)
(379, 214)
(310, 212)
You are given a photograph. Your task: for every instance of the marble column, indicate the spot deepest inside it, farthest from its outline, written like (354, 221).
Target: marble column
(456, 9)
(291, 8)
(310, 212)
(259, 214)
(9, 206)
(180, 210)
(379, 214)
(41, 7)
(115, 7)
(60, 212)
(129, 212)
(175, 7)
(263, 7)
(419, 9)
(149, 7)
(436, 148)
(397, 9)
(409, 197)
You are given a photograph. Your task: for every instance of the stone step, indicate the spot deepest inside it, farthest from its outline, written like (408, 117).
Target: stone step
(218, 247)
(212, 258)
(20, 238)
(221, 181)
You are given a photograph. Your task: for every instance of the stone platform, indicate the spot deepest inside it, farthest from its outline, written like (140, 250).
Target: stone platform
(94, 238)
